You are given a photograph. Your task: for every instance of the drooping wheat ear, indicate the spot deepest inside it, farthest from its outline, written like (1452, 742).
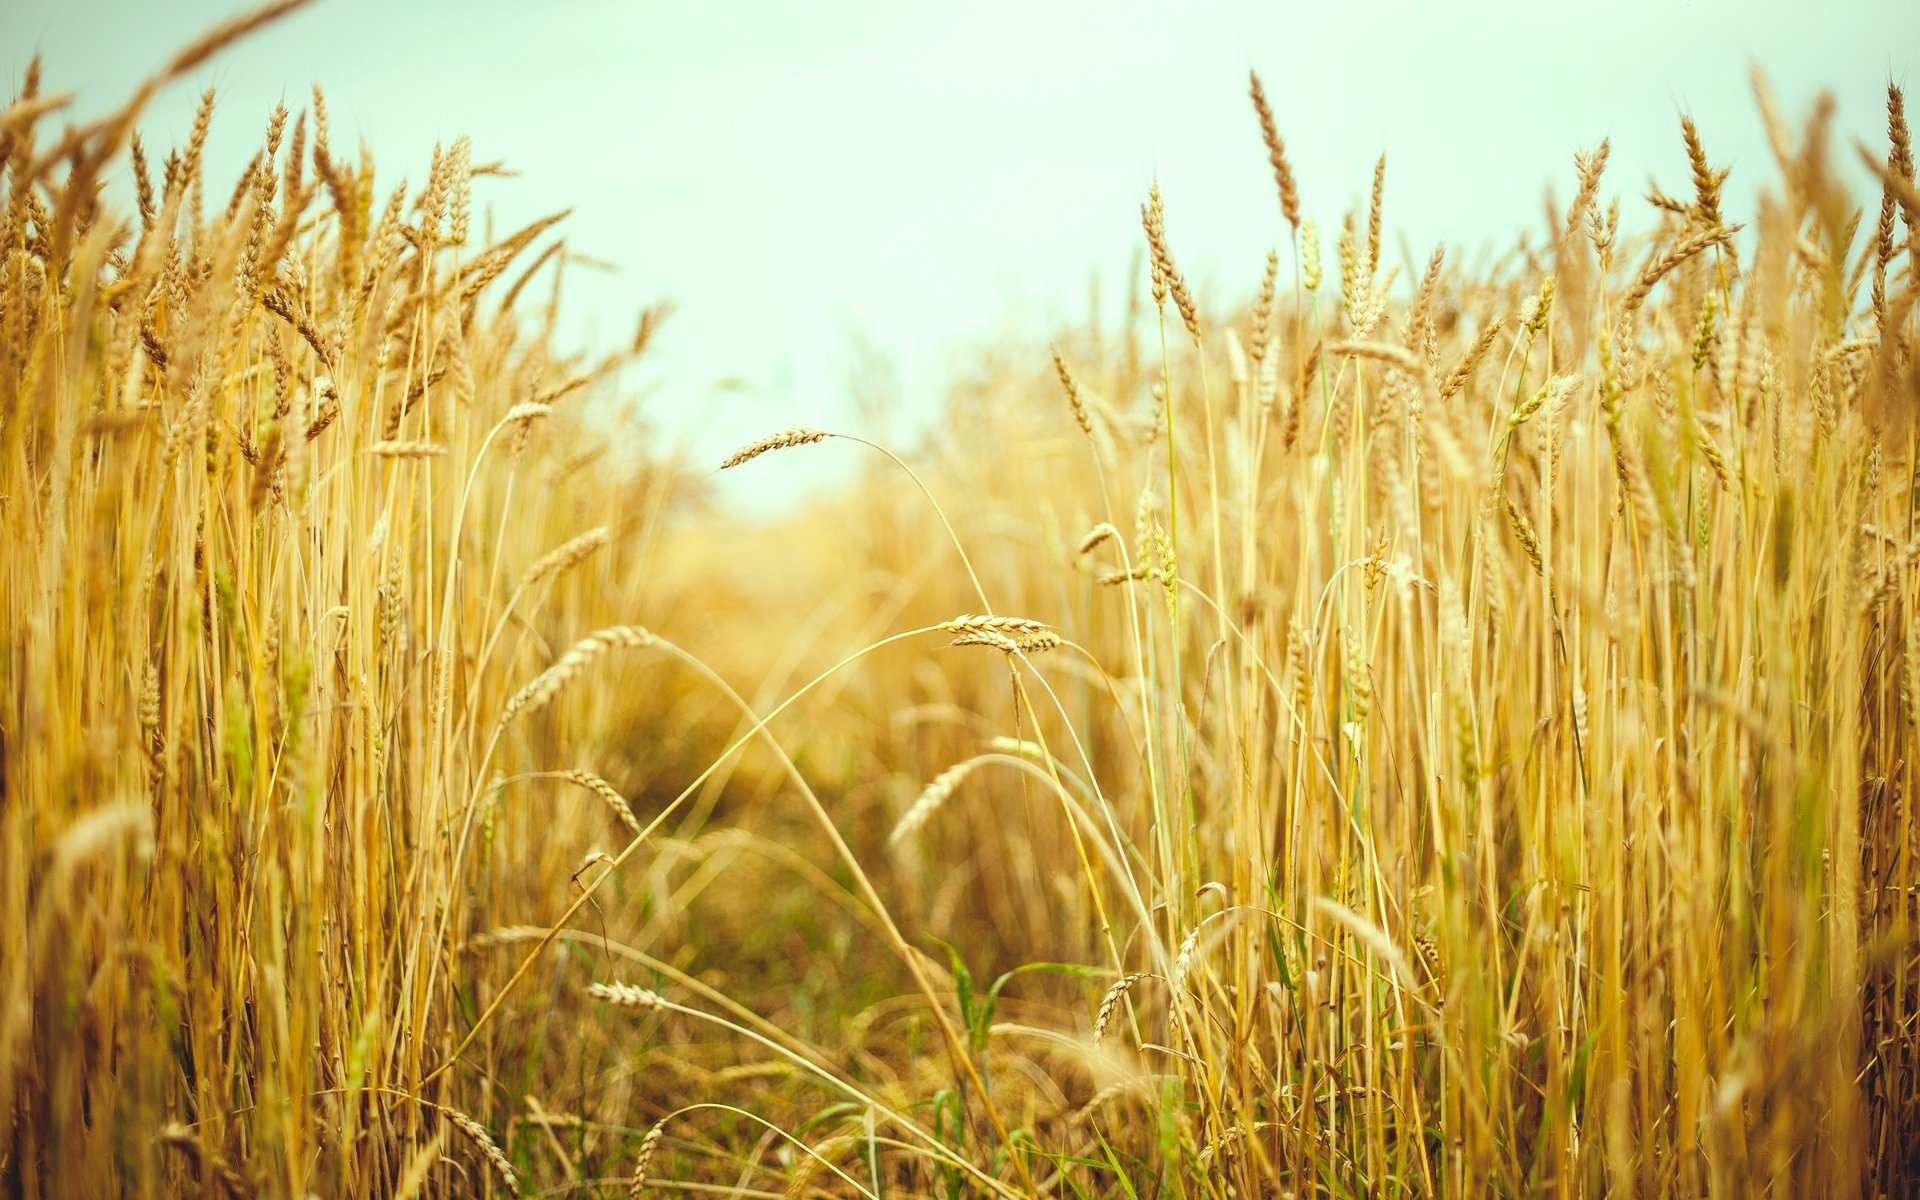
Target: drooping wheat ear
(607, 792)
(987, 637)
(1115, 578)
(483, 1141)
(1276, 152)
(530, 411)
(1096, 536)
(969, 623)
(407, 449)
(627, 995)
(1223, 1146)
(182, 1138)
(644, 1159)
(1710, 450)
(1385, 352)
(1108, 1094)
(326, 402)
(779, 441)
(1183, 959)
(1020, 643)
(1110, 1002)
(566, 556)
(1021, 746)
(1659, 268)
(1073, 394)
(1523, 529)
(931, 799)
(1706, 181)
(806, 1166)
(548, 683)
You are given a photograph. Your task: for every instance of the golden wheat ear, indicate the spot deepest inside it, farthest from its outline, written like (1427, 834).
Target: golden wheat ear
(783, 440)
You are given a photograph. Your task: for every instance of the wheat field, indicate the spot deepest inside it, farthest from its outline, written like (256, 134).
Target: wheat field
(1378, 736)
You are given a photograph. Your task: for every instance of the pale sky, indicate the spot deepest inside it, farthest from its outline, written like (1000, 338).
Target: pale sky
(805, 180)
